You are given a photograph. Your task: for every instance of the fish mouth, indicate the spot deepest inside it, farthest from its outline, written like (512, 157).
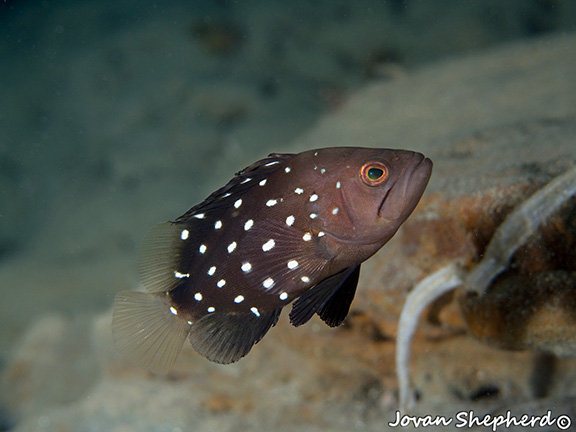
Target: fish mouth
(404, 194)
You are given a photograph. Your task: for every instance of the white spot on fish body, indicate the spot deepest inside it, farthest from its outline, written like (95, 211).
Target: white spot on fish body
(211, 270)
(338, 185)
(315, 153)
(238, 203)
(181, 275)
(255, 311)
(268, 283)
(202, 248)
(198, 296)
(268, 245)
(271, 203)
(287, 170)
(211, 309)
(232, 247)
(335, 210)
(239, 299)
(199, 216)
(313, 197)
(307, 236)
(173, 310)
(184, 234)
(322, 171)
(292, 264)
(321, 234)
(313, 215)
(283, 296)
(249, 224)
(299, 191)
(290, 220)
(305, 279)
(262, 182)
(190, 323)
(218, 225)
(221, 283)
(246, 267)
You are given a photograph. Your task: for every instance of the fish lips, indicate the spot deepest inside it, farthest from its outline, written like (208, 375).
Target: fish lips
(404, 194)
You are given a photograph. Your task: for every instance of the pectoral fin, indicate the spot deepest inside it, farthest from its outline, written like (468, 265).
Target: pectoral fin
(329, 298)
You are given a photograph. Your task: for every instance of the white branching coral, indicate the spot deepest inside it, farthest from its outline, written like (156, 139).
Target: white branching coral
(522, 223)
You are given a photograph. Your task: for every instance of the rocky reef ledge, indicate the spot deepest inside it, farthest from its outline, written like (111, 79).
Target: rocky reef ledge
(498, 125)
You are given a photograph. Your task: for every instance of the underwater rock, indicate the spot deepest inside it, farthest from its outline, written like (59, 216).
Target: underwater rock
(53, 365)
(535, 311)
(485, 165)
(509, 320)
(495, 138)
(455, 221)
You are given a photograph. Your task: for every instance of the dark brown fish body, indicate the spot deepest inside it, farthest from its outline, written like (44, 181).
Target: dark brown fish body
(291, 227)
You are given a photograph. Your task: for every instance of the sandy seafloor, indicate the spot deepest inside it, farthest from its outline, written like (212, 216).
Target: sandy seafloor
(116, 115)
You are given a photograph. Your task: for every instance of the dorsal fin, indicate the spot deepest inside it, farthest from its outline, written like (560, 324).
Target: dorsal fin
(240, 183)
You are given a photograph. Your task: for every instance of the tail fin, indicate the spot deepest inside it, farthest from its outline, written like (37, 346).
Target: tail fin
(145, 330)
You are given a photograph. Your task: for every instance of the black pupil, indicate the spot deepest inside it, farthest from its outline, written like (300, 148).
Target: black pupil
(374, 174)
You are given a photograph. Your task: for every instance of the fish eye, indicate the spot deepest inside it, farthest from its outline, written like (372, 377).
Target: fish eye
(374, 173)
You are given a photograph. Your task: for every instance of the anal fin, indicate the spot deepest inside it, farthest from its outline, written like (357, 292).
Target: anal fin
(227, 337)
(330, 298)
(146, 332)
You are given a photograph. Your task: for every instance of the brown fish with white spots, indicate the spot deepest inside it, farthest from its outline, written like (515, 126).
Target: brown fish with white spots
(289, 228)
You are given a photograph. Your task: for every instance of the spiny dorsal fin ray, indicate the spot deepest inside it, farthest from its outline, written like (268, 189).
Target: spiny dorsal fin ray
(239, 184)
(226, 338)
(315, 298)
(146, 332)
(335, 310)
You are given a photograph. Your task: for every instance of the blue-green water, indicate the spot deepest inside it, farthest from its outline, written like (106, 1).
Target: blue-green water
(116, 115)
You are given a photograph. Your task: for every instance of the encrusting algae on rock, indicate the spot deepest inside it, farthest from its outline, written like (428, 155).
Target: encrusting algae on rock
(483, 303)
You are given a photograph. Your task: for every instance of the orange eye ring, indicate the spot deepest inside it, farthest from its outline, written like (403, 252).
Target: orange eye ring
(374, 173)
